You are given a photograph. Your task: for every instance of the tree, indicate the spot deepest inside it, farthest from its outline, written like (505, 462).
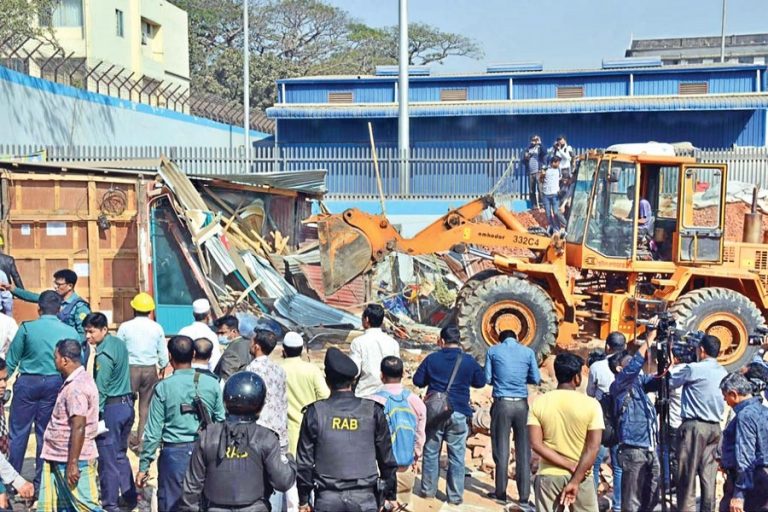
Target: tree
(290, 38)
(20, 19)
(428, 44)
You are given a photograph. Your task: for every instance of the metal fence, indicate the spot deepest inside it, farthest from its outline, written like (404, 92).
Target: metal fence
(443, 172)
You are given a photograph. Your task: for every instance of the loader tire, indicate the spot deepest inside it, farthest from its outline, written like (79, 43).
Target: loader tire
(507, 302)
(726, 314)
(471, 284)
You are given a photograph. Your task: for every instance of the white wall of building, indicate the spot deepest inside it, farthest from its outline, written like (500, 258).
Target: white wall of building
(39, 112)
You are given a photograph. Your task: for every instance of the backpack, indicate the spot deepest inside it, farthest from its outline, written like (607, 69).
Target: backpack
(611, 432)
(402, 425)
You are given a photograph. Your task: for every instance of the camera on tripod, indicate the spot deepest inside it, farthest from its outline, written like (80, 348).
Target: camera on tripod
(676, 343)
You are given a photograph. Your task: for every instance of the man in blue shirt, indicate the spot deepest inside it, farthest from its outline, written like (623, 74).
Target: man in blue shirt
(509, 367)
(637, 431)
(702, 411)
(435, 371)
(744, 448)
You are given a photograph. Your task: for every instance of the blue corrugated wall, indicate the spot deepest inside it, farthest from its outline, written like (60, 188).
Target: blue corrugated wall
(704, 129)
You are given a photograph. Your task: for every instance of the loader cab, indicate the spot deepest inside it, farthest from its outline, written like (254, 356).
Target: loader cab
(637, 209)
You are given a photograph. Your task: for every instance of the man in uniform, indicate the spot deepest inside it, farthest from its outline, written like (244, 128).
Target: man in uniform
(38, 383)
(227, 451)
(73, 309)
(174, 422)
(344, 424)
(113, 380)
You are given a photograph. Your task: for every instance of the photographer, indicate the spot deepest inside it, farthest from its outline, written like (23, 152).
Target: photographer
(744, 447)
(636, 428)
(702, 411)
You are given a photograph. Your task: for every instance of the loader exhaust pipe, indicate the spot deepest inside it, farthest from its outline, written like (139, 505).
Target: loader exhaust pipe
(753, 222)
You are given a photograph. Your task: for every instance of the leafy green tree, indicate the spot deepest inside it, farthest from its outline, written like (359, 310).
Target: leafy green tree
(19, 19)
(290, 38)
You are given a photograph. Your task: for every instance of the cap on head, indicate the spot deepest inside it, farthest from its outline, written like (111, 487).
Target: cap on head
(244, 393)
(143, 303)
(339, 365)
(293, 340)
(201, 307)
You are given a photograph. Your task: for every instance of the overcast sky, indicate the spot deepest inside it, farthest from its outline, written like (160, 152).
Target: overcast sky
(562, 34)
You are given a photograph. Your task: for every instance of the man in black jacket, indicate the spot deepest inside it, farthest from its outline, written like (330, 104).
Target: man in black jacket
(344, 445)
(227, 453)
(8, 265)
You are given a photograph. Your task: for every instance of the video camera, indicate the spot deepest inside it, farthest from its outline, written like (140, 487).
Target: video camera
(675, 343)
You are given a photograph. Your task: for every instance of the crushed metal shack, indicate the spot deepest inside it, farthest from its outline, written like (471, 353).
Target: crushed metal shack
(133, 226)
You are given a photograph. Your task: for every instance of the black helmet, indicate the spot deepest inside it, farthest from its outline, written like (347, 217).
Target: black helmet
(244, 393)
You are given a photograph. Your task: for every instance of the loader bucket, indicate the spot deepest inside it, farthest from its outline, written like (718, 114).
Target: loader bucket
(345, 252)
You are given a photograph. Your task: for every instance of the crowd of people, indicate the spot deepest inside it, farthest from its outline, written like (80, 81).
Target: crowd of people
(551, 178)
(232, 427)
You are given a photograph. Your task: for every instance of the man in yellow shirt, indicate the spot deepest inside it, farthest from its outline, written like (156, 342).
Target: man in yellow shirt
(305, 384)
(565, 427)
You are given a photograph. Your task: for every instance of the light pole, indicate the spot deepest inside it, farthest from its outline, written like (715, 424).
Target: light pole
(246, 88)
(403, 128)
(722, 36)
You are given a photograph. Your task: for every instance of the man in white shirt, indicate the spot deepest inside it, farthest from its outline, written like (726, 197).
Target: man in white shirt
(147, 356)
(368, 350)
(201, 311)
(8, 328)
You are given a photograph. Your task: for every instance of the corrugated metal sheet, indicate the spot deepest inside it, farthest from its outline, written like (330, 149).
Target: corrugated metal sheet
(594, 87)
(350, 295)
(363, 92)
(684, 68)
(530, 107)
(307, 181)
(302, 310)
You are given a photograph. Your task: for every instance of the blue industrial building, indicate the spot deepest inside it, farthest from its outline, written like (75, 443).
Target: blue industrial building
(465, 129)
(714, 106)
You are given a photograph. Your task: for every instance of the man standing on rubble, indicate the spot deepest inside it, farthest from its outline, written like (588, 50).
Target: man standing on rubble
(201, 311)
(368, 350)
(74, 308)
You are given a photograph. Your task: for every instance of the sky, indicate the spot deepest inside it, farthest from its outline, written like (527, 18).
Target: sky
(562, 34)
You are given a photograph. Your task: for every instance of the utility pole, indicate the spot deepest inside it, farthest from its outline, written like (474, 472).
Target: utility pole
(403, 128)
(246, 90)
(722, 36)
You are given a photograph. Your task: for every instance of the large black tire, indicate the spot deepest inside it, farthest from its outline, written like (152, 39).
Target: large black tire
(504, 301)
(726, 314)
(471, 284)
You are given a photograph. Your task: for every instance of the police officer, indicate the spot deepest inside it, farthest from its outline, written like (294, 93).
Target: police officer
(227, 451)
(174, 421)
(38, 383)
(73, 309)
(344, 424)
(113, 380)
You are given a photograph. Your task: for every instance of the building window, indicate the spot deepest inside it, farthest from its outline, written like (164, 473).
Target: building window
(64, 13)
(453, 94)
(693, 88)
(148, 31)
(340, 97)
(576, 91)
(746, 60)
(119, 27)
